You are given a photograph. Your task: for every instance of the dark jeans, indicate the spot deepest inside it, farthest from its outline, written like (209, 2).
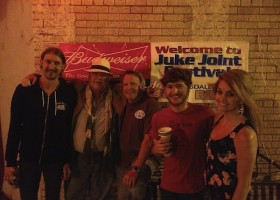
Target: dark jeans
(89, 180)
(29, 177)
(166, 195)
(139, 191)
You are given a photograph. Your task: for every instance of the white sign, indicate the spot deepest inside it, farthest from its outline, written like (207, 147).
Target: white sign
(206, 60)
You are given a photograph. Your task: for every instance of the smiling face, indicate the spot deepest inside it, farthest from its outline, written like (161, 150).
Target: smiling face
(51, 66)
(225, 98)
(98, 81)
(177, 93)
(131, 86)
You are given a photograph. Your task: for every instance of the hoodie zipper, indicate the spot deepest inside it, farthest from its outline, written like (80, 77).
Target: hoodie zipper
(44, 133)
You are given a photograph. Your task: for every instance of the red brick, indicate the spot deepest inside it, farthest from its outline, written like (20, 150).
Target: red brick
(107, 31)
(141, 10)
(270, 11)
(97, 9)
(76, 2)
(87, 2)
(118, 39)
(130, 31)
(119, 9)
(248, 10)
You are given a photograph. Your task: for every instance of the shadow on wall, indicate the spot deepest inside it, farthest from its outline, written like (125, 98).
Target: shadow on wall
(2, 196)
(2, 165)
(3, 6)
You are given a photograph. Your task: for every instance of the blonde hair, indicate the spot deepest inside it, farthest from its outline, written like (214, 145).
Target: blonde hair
(241, 83)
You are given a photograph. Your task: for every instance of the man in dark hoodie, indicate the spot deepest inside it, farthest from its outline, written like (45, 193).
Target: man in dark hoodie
(40, 130)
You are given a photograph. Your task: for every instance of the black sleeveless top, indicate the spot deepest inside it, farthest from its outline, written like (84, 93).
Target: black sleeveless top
(221, 166)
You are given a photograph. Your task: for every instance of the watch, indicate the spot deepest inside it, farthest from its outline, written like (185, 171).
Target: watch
(135, 168)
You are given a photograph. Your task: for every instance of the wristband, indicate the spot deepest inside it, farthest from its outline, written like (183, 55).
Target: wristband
(135, 169)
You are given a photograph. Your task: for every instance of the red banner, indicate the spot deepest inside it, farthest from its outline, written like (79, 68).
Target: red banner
(122, 56)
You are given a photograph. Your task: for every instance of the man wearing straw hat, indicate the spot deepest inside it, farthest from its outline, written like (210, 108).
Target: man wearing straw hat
(95, 135)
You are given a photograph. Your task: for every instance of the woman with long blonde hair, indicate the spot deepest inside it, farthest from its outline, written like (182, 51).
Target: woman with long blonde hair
(232, 145)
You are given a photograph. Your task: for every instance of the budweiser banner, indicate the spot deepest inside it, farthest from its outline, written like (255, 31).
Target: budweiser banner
(122, 56)
(206, 60)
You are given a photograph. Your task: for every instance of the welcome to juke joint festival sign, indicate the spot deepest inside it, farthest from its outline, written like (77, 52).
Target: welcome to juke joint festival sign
(205, 59)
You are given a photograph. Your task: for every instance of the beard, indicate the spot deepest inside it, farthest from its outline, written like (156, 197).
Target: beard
(179, 101)
(51, 74)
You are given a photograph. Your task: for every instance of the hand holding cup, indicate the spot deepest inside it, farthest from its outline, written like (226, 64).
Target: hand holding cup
(165, 134)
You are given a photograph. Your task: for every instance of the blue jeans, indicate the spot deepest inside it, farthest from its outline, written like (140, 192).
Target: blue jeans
(166, 195)
(29, 177)
(89, 180)
(138, 192)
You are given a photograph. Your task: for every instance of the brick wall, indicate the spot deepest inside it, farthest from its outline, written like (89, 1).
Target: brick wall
(253, 21)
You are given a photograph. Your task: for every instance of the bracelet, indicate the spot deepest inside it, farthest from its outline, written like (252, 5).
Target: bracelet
(38, 74)
(135, 169)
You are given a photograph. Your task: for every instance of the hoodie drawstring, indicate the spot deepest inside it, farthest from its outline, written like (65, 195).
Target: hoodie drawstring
(43, 99)
(55, 103)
